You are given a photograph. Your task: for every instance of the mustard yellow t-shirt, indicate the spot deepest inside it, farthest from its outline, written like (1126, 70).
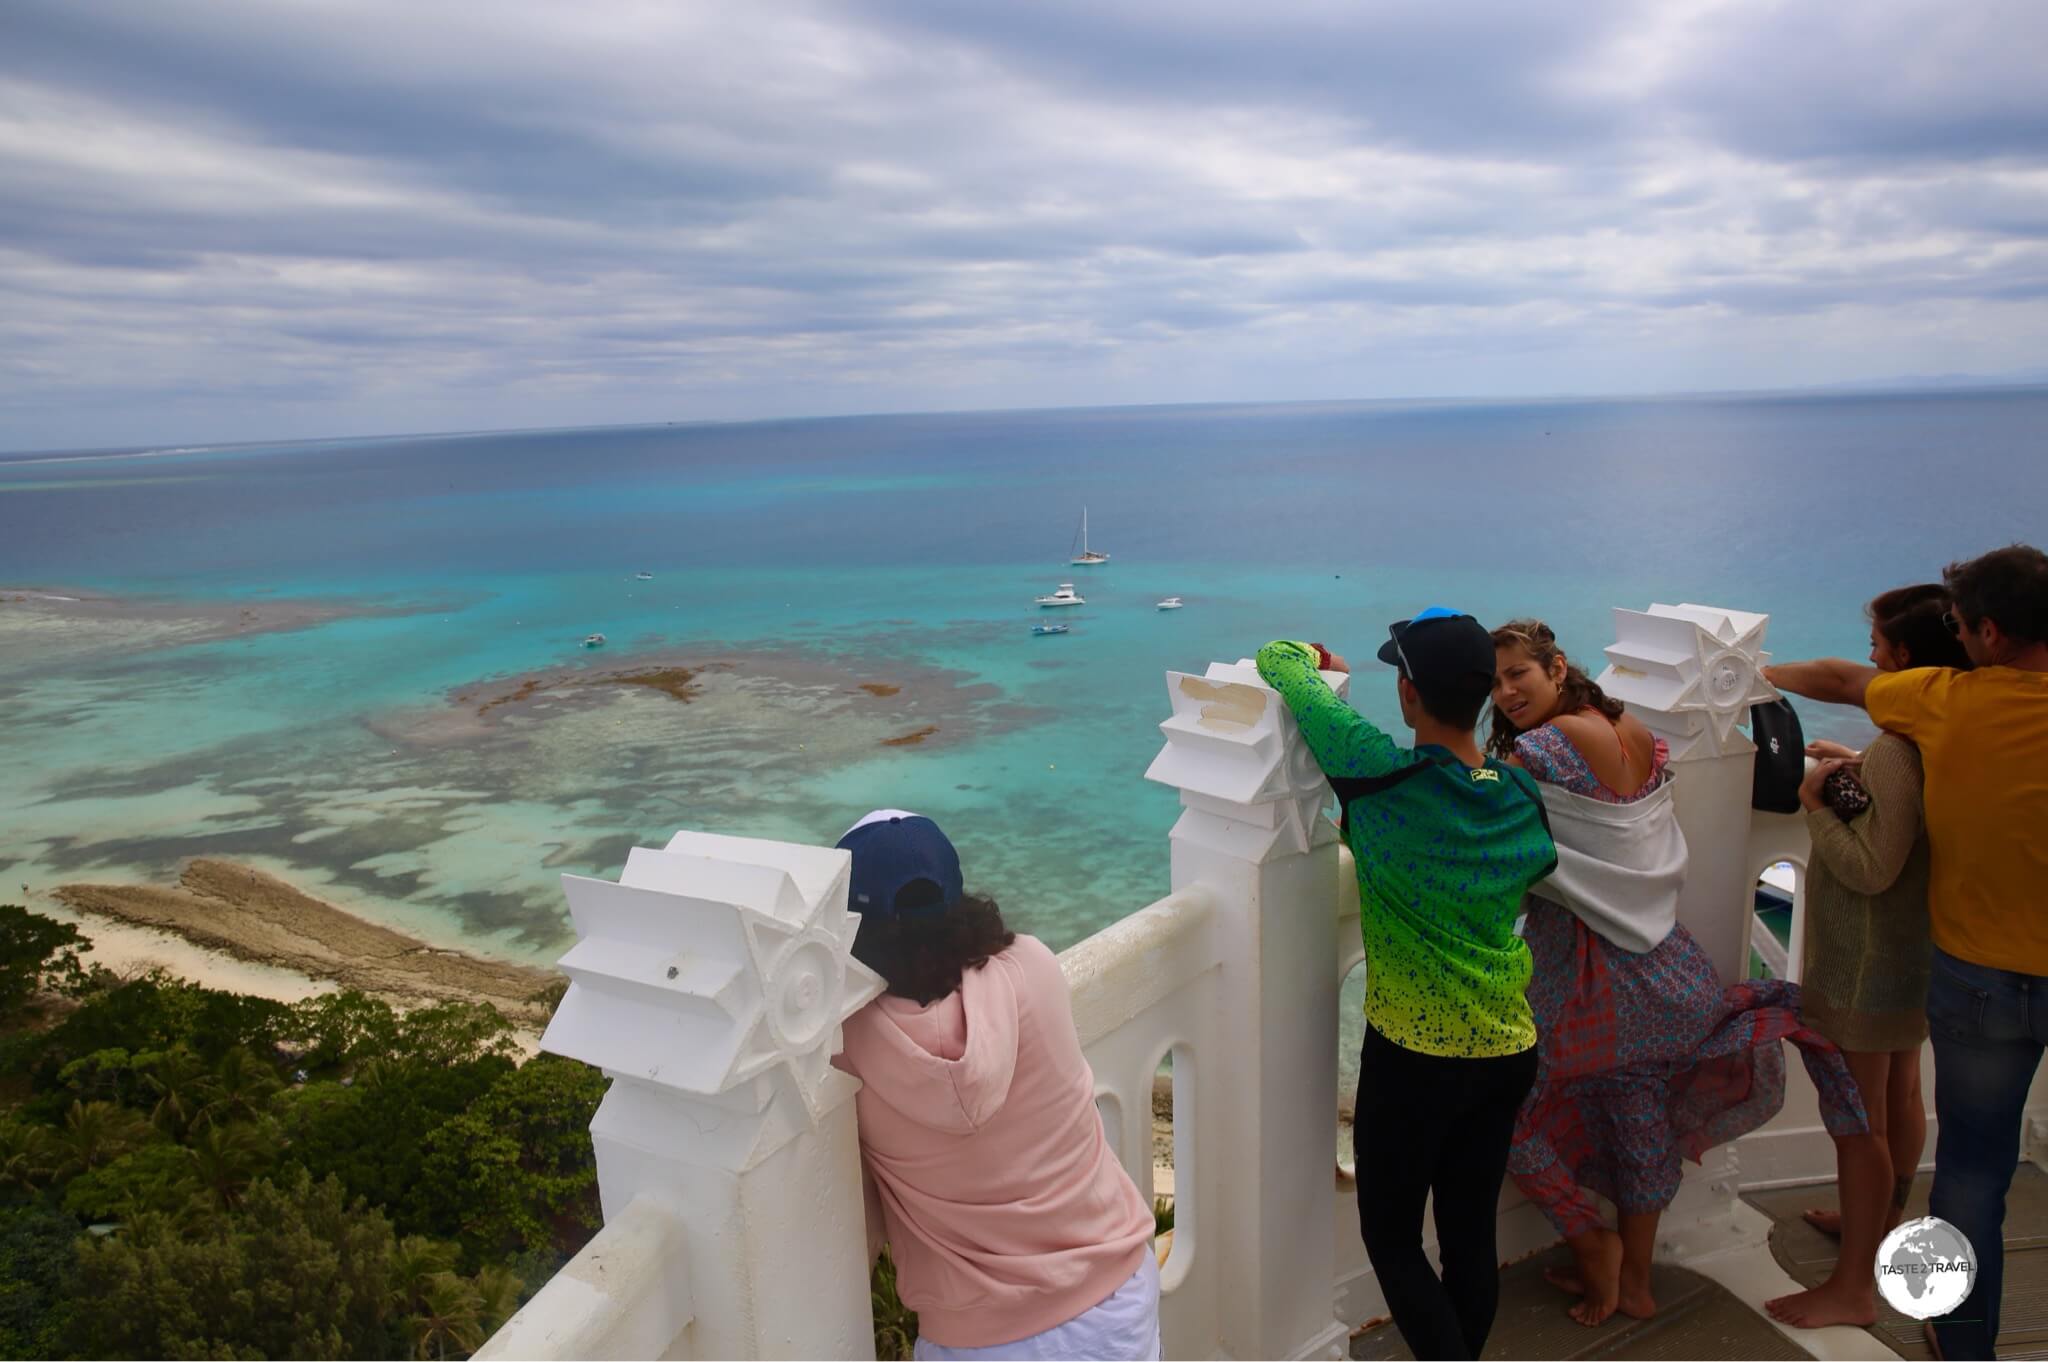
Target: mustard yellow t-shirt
(1983, 739)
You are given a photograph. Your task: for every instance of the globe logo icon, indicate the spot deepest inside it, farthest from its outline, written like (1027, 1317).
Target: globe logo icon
(1925, 1268)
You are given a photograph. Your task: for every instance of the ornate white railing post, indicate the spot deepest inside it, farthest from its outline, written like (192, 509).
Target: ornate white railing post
(710, 983)
(1691, 672)
(1251, 830)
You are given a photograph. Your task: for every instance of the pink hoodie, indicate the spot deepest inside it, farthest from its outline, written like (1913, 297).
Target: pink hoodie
(1006, 1211)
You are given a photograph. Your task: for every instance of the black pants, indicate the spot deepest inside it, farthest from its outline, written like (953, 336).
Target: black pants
(1426, 1125)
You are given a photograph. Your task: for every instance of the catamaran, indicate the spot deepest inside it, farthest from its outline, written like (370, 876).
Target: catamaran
(1088, 557)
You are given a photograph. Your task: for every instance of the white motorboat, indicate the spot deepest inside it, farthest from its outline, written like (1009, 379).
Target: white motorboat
(1043, 629)
(643, 576)
(1064, 596)
(1087, 557)
(593, 641)
(1171, 603)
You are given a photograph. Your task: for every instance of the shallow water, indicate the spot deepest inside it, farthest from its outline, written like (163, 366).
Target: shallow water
(905, 551)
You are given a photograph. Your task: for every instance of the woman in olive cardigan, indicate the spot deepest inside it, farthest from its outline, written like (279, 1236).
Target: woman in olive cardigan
(1867, 956)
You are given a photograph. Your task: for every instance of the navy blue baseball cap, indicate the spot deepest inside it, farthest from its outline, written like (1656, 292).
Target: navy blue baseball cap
(894, 851)
(1442, 649)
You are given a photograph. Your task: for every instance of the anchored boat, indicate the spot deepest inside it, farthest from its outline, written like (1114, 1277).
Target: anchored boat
(1087, 557)
(1064, 596)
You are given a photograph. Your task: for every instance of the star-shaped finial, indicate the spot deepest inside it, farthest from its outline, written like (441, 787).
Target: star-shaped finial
(716, 962)
(1695, 664)
(1234, 753)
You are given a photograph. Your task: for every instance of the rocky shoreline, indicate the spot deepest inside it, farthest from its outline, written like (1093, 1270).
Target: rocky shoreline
(253, 917)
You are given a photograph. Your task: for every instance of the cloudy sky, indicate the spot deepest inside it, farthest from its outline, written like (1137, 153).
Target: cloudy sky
(238, 220)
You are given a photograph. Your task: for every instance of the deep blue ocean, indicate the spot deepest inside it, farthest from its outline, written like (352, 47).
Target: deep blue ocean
(811, 556)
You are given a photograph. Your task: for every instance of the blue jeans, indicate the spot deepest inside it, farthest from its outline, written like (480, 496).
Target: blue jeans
(1989, 1027)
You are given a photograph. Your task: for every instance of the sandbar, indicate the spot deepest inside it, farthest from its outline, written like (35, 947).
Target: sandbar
(45, 627)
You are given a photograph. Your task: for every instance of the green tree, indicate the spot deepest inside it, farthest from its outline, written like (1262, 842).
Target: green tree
(157, 1177)
(239, 1088)
(175, 1083)
(94, 1133)
(225, 1159)
(151, 1013)
(501, 1292)
(373, 1136)
(25, 1154)
(452, 1033)
(515, 1170)
(35, 1255)
(37, 955)
(338, 1030)
(449, 1320)
(415, 1262)
(299, 1271)
(104, 1075)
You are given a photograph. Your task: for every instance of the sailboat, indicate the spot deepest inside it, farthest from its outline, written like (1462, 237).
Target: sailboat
(1088, 557)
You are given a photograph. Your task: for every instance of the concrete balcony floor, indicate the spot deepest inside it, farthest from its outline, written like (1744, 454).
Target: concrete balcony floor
(1808, 1256)
(1698, 1318)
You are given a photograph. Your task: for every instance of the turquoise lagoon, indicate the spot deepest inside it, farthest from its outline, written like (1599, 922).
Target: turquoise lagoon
(807, 558)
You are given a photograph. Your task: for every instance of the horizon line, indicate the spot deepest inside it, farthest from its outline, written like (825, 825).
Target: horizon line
(1898, 387)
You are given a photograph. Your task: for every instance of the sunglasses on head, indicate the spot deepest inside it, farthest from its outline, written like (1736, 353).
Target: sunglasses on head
(1407, 667)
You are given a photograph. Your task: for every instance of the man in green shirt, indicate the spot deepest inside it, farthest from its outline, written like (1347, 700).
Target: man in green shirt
(1447, 842)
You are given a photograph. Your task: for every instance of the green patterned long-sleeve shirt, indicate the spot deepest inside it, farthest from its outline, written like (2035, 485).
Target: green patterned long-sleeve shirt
(1445, 853)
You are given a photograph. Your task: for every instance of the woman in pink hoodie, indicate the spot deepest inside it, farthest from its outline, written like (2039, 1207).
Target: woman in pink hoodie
(1015, 1231)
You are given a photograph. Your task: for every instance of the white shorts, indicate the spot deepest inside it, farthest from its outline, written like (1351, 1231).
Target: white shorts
(1124, 1326)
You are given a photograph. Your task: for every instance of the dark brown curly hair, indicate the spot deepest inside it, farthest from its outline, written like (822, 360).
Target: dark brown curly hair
(1579, 690)
(924, 958)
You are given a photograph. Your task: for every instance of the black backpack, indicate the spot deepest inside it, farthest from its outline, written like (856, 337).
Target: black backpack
(1780, 757)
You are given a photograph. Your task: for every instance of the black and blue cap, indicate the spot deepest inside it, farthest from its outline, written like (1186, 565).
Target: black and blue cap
(903, 866)
(1441, 649)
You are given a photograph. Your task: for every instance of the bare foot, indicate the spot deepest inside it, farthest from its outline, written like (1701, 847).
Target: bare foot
(1826, 1304)
(1599, 1256)
(1827, 1222)
(1635, 1299)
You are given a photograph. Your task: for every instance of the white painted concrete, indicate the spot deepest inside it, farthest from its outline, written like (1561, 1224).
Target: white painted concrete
(710, 984)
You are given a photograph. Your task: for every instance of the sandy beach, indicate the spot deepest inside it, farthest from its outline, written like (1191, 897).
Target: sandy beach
(228, 926)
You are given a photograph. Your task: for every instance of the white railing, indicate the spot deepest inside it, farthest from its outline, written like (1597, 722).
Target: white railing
(626, 1295)
(710, 982)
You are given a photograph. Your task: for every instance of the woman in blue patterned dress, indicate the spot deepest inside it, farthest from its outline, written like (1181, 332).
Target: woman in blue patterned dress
(1643, 1057)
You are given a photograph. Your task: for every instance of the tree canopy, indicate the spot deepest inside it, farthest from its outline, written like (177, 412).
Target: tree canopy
(186, 1172)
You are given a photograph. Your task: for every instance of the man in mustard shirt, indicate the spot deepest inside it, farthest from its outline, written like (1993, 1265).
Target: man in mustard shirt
(1983, 739)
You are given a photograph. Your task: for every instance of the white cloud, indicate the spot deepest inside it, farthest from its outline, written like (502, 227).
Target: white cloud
(240, 220)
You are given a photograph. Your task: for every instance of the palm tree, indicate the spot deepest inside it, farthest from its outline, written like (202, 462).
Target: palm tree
(499, 1288)
(240, 1085)
(226, 1159)
(448, 1318)
(180, 1084)
(24, 1155)
(416, 1261)
(94, 1133)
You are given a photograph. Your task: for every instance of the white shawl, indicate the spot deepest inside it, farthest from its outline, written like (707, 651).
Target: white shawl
(1619, 866)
